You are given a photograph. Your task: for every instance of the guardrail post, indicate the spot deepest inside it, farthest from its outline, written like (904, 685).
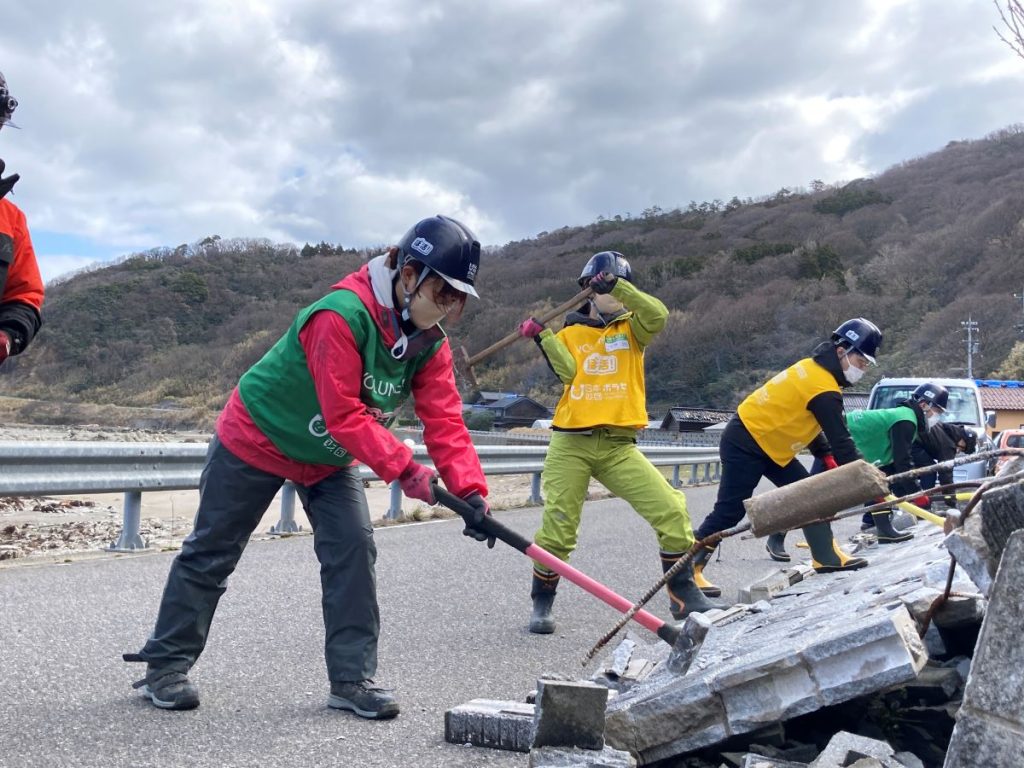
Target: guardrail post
(130, 538)
(675, 476)
(718, 471)
(287, 522)
(395, 509)
(535, 497)
(693, 475)
(707, 472)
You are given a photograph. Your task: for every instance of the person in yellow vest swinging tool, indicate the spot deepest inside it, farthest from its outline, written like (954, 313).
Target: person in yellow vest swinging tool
(599, 357)
(801, 407)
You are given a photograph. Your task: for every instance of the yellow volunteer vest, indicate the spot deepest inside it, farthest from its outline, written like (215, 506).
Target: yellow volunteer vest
(609, 385)
(776, 414)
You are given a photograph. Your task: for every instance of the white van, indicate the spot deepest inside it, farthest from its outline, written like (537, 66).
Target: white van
(964, 407)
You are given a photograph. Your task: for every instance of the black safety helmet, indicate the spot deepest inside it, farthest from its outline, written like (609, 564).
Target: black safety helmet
(444, 246)
(860, 335)
(934, 395)
(606, 261)
(7, 103)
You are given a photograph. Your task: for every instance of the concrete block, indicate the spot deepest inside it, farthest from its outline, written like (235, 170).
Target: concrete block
(861, 655)
(766, 588)
(677, 717)
(566, 757)
(489, 723)
(845, 749)
(978, 545)
(759, 761)
(980, 740)
(990, 725)
(569, 714)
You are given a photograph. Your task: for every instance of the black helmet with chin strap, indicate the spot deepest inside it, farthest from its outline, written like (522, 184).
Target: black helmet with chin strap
(860, 335)
(446, 247)
(935, 395)
(7, 103)
(612, 262)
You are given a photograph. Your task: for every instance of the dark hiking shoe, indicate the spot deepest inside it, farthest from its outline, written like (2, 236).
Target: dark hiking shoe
(168, 689)
(363, 698)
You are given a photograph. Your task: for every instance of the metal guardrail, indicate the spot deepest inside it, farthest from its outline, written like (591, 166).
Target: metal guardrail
(67, 468)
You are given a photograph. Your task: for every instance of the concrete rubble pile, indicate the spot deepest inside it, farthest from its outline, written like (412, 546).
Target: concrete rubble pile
(778, 682)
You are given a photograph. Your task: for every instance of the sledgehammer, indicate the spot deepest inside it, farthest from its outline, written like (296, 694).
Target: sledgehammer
(466, 362)
(667, 632)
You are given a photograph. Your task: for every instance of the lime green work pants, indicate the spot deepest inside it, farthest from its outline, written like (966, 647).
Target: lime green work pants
(611, 457)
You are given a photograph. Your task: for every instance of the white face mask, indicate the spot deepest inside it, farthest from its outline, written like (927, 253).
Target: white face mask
(852, 373)
(932, 420)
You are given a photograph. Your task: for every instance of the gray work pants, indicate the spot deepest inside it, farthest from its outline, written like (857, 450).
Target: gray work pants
(233, 499)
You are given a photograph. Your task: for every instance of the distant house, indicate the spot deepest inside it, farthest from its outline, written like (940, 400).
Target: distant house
(686, 418)
(517, 411)
(485, 398)
(1006, 398)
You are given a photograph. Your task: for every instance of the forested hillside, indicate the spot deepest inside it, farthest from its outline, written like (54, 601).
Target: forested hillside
(752, 284)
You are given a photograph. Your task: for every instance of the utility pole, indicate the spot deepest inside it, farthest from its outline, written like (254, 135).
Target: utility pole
(971, 327)
(1020, 326)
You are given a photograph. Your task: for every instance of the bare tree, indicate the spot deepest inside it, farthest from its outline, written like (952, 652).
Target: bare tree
(1013, 20)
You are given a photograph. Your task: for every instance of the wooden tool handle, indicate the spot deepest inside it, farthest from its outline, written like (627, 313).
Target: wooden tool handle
(551, 314)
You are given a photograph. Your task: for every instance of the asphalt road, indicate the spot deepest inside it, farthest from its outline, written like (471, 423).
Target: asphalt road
(454, 628)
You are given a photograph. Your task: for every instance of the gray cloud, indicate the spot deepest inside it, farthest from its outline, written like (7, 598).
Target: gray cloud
(150, 125)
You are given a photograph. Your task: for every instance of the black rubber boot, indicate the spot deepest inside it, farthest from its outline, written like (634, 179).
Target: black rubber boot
(886, 533)
(699, 561)
(826, 556)
(685, 597)
(543, 594)
(776, 546)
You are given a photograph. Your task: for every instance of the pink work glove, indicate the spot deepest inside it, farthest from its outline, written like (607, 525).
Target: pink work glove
(922, 501)
(417, 482)
(5, 346)
(829, 461)
(530, 328)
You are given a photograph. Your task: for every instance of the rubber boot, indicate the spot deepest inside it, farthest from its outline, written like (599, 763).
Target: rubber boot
(776, 546)
(543, 594)
(699, 561)
(886, 533)
(826, 556)
(683, 594)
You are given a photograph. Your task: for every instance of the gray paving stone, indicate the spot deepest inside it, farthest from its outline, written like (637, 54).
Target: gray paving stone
(760, 761)
(489, 723)
(979, 740)
(565, 757)
(978, 545)
(570, 714)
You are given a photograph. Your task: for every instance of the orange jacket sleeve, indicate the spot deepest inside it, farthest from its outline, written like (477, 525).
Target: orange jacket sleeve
(22, 293)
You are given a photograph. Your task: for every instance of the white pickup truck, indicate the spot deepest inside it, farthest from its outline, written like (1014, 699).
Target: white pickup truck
(964, 407)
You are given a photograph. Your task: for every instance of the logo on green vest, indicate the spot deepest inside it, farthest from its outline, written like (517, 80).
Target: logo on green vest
(317, 426)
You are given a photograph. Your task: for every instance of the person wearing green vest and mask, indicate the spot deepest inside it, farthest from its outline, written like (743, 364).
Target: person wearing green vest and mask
(886, 437)
(599, 358)
(318, 402)
(800, 407)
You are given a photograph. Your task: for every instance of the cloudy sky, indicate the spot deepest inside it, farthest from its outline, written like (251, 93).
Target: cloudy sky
(154, 124)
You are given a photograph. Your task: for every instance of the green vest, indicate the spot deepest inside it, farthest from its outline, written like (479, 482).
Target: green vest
(870, 431)
(279, 394)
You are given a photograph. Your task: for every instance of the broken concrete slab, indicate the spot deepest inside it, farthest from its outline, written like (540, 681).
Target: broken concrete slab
(489, 723)
(838, 637)
(695, 629)
(566, 757)
(990, 725)
(978, 545)
(569, 714)
(847, 749)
